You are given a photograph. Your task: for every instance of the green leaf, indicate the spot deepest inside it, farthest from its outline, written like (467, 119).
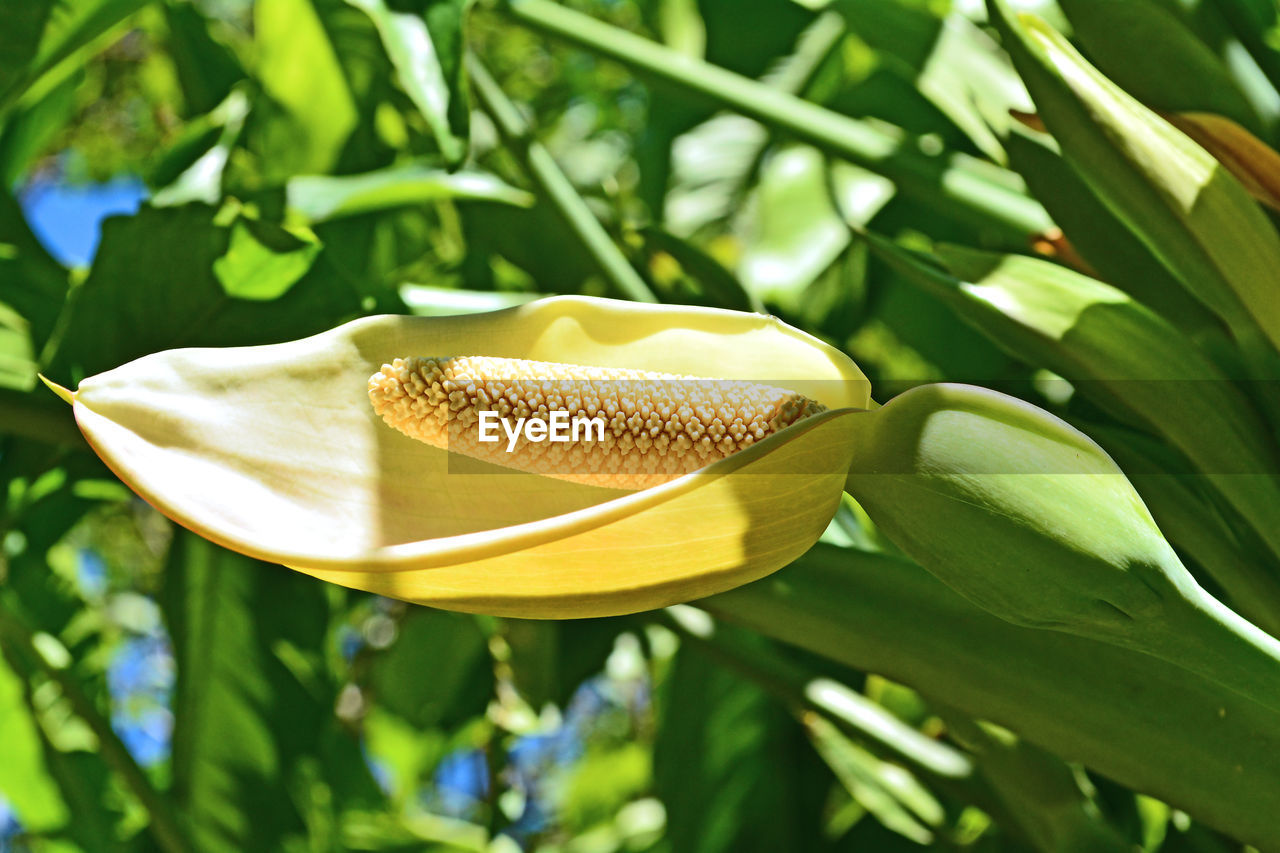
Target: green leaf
(31, 283)
(551, 660)
(243, 717)
(426, 53)
(1148, 724)
(1105, 242)
(717, 286)
(1196, 218)
(55, 37)
(314, 111)
(24, 779)
(1120, 355)
(453, 649)
(192, 168)
(206, 68)
(793, 231)
(714, 757)
(152, 287)
(894, 797)
(17, 358)
(1173, 72)
(263, 261)
(31, 127)
(949, 60)
(321, 197)
(1040, 791)
(1185, 512)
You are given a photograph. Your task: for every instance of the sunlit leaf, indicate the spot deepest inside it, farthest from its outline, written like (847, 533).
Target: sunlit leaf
(299, 69)
(1119, 354)
(263, 261)
(1174, 72)
(420, 67)
(320, 197)
(25, 782)
(153, 286)
(1180, 201)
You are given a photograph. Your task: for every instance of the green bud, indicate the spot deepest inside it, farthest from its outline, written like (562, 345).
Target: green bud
(1030, 519)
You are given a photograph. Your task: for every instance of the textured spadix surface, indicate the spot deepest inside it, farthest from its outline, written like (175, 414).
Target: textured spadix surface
(276, 451)
(652, 427)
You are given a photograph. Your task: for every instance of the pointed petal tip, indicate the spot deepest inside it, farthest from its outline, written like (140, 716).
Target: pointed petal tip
(68, 396)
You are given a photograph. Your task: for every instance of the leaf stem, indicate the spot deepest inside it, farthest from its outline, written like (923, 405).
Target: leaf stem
(963, 187)
(18, 637)
(556, 186)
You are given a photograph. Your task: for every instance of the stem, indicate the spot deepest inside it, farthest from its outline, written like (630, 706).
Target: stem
(164, 824)
(25, 416)
(556, 186)
(953, 184)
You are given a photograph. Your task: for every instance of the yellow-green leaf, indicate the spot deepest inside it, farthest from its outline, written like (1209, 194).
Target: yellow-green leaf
(1255, 164)
(1195, 217)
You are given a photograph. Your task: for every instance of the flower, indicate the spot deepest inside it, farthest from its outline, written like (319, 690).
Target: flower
(276, 452)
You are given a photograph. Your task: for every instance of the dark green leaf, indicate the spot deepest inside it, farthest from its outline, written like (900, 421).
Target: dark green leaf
(1174, 71)
(153, 288)
(245, 717)
(206, 68)
(49, 33)
(437, 673)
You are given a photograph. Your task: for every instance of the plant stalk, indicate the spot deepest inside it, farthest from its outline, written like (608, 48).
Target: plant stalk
(556, 186)
(954, 184)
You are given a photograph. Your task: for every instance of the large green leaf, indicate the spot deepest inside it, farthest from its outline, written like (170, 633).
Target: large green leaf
(207, 69)
(1174, 71)
(1041, 792)
(718, 761)
(247, 712)
(31, 283)
(1148, 724)
(1195, 217)
(453, 649)
(1104, 241)
(31, 127)
(153, 287)
(950, 61)
(551, 660)
(1185, 510)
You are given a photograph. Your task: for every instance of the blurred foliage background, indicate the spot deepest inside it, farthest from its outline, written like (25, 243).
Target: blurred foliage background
(227, 172)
